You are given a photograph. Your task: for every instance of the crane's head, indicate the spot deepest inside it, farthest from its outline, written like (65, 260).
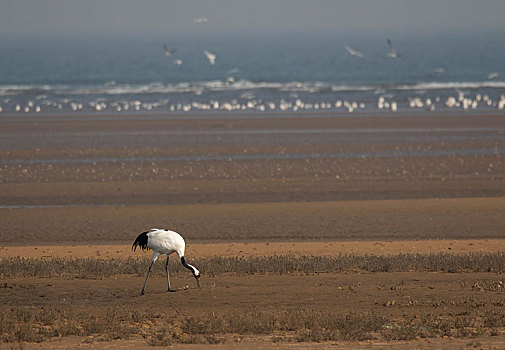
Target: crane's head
(196, 273)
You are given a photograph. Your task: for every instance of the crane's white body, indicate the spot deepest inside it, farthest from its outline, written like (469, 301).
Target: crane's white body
(164, 242)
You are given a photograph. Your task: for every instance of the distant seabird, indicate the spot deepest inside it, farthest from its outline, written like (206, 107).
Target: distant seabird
(200, 20)
(178, 62)
(210, 56)
(168, 52)
(353, 52)
(493, 75)
(392, 52)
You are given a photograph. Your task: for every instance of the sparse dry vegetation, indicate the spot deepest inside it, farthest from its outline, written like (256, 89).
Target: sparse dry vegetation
(394, 316)
(276, 264)
(30, 324)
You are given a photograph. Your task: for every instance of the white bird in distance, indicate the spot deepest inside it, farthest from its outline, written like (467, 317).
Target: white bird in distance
(493, 75)
(392, 52)
(210, 56)
(353, 52)
(200, 20)
(168, 52)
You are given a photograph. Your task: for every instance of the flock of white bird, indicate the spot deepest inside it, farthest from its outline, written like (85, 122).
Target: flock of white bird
(212, 57)
(459, 101)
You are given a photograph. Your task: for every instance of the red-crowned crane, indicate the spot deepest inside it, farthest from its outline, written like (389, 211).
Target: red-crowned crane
(164, 242)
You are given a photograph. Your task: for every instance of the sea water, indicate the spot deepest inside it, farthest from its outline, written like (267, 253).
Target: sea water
(279, 73)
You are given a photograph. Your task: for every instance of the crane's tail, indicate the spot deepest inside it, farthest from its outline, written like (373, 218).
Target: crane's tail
(141, 241)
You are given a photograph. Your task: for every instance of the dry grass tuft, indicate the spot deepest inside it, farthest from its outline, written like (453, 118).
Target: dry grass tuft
(91, 268)
(36, 324)
(28, 324)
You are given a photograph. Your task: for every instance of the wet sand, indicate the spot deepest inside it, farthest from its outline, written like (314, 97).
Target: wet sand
(419, 219)
(103, 180)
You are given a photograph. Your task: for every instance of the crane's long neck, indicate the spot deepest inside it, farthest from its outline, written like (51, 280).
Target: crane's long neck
(193, 269)
(188, 266)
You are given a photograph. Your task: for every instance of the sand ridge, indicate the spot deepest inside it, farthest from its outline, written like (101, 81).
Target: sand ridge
(202, 250)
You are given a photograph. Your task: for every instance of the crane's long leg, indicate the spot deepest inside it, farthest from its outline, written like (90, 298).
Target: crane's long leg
(168, 278)
(148, 272)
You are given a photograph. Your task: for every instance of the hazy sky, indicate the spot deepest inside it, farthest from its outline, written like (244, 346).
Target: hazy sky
(152, 17)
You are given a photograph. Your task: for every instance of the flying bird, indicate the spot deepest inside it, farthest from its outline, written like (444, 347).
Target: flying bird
(210, 56)
(493, 75)
(168, 52)
(392, 52)
(353, 52)
(200, 20)
(164, 242)
(178, 62)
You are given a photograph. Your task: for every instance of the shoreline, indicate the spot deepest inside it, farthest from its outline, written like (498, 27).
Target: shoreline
(7, 117)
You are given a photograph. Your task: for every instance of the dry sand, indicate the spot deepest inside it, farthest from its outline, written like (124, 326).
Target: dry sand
(329, 248)
(390, 295)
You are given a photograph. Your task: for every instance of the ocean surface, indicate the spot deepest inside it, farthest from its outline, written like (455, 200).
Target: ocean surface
(276, 74)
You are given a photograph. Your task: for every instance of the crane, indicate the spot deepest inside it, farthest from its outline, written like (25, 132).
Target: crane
(164, 242)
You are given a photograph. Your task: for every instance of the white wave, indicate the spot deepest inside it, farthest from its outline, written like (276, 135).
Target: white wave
(451, 85)
(240, 85)
(21, 89)
(342, 88)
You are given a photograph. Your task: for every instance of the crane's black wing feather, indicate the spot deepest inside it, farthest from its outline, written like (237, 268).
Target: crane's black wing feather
(141, 241)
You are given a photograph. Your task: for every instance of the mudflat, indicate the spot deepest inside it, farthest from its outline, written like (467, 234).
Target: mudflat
(248, 188)
(100, 179)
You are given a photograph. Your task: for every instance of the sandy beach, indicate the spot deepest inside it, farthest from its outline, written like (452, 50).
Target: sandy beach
(248, 186)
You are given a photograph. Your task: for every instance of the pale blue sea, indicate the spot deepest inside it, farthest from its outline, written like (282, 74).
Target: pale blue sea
(276, 74)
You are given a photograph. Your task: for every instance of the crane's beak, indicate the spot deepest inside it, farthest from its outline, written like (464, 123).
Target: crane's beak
(198, 281)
